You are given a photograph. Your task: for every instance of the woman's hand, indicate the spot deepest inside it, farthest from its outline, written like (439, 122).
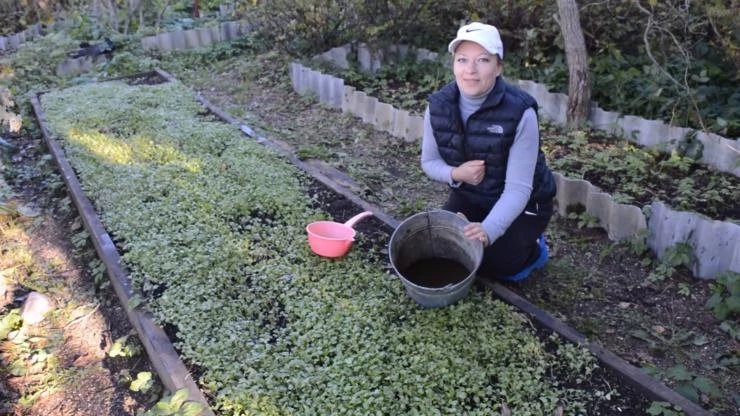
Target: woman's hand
(471, 172)
(475, 231)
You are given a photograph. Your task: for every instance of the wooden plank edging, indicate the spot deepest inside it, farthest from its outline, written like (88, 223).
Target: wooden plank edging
(162, 354)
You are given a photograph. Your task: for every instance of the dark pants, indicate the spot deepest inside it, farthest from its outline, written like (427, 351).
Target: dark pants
(517, 247)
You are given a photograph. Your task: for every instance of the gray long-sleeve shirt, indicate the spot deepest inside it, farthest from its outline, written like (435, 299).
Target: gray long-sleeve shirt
(519, 168)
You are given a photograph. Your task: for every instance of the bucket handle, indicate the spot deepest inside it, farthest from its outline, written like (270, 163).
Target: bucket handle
(352, 221)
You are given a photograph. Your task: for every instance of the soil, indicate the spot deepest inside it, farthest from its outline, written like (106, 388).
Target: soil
(597, 286)
(87, 380)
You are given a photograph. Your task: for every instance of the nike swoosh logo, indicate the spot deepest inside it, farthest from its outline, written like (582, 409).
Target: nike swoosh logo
(471, 30)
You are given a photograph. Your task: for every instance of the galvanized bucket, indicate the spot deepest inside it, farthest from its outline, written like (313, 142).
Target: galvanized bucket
(434, 234)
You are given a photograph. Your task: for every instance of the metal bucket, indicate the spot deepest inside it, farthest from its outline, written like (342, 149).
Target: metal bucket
(429, 235)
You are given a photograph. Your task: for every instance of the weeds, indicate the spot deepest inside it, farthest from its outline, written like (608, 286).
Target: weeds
(125, 346)
(175, 405)
(725, 302)
(675, 256)
(664, 409)
(662, 338)
(695, 388)
(584, 219)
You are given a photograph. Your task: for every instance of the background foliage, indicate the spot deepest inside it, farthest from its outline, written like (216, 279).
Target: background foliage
(675, 60)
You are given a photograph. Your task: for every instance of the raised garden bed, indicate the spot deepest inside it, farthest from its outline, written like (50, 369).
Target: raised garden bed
(275, 297)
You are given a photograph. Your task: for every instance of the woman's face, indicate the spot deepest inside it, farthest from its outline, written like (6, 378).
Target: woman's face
(475, 69)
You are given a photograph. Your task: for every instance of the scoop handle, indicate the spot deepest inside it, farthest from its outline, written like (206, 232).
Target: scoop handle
(352, 221)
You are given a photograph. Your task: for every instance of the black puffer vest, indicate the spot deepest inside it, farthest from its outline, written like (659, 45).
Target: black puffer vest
(488, 136)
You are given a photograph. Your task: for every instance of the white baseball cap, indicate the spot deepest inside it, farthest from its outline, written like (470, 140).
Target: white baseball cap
(484, 35)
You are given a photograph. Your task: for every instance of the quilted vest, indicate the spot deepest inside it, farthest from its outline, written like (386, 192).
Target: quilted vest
(488, 135)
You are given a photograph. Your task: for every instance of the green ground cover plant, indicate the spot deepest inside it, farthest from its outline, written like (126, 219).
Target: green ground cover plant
(211, 228)
(725, 302)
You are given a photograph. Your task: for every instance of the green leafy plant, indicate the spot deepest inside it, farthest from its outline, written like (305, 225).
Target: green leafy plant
(725, 299)
(578, 358)
(10, 321)
(97, 269)
(663, 338)
(673, 257)
(664, 409)
(684, 289)
(584, 219)
(408, 207)
(690, 385)
(143, 382)
(175, 405)
(80, 239)
(123, 347)
(638, 243)
(687, 383)
(725, 302)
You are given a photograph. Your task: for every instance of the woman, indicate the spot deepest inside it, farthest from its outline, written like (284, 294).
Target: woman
(481, 136)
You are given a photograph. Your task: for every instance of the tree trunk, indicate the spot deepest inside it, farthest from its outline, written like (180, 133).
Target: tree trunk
(114, 15)
(579, 80)
(160, 16)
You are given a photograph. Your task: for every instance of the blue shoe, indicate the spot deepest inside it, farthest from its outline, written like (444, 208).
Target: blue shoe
(538, 264)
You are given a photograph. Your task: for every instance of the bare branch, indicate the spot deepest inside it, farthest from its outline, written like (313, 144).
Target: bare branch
(648, 49)
(682, 86)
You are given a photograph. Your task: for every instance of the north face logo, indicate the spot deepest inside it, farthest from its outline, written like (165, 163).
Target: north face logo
(495, 129)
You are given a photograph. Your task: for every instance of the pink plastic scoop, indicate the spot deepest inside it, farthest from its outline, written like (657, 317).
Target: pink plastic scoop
(333, 239)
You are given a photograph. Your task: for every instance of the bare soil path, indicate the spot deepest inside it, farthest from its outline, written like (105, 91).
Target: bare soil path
(65, 364)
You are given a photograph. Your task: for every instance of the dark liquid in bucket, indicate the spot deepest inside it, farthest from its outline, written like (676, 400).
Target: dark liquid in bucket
(435, 272)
